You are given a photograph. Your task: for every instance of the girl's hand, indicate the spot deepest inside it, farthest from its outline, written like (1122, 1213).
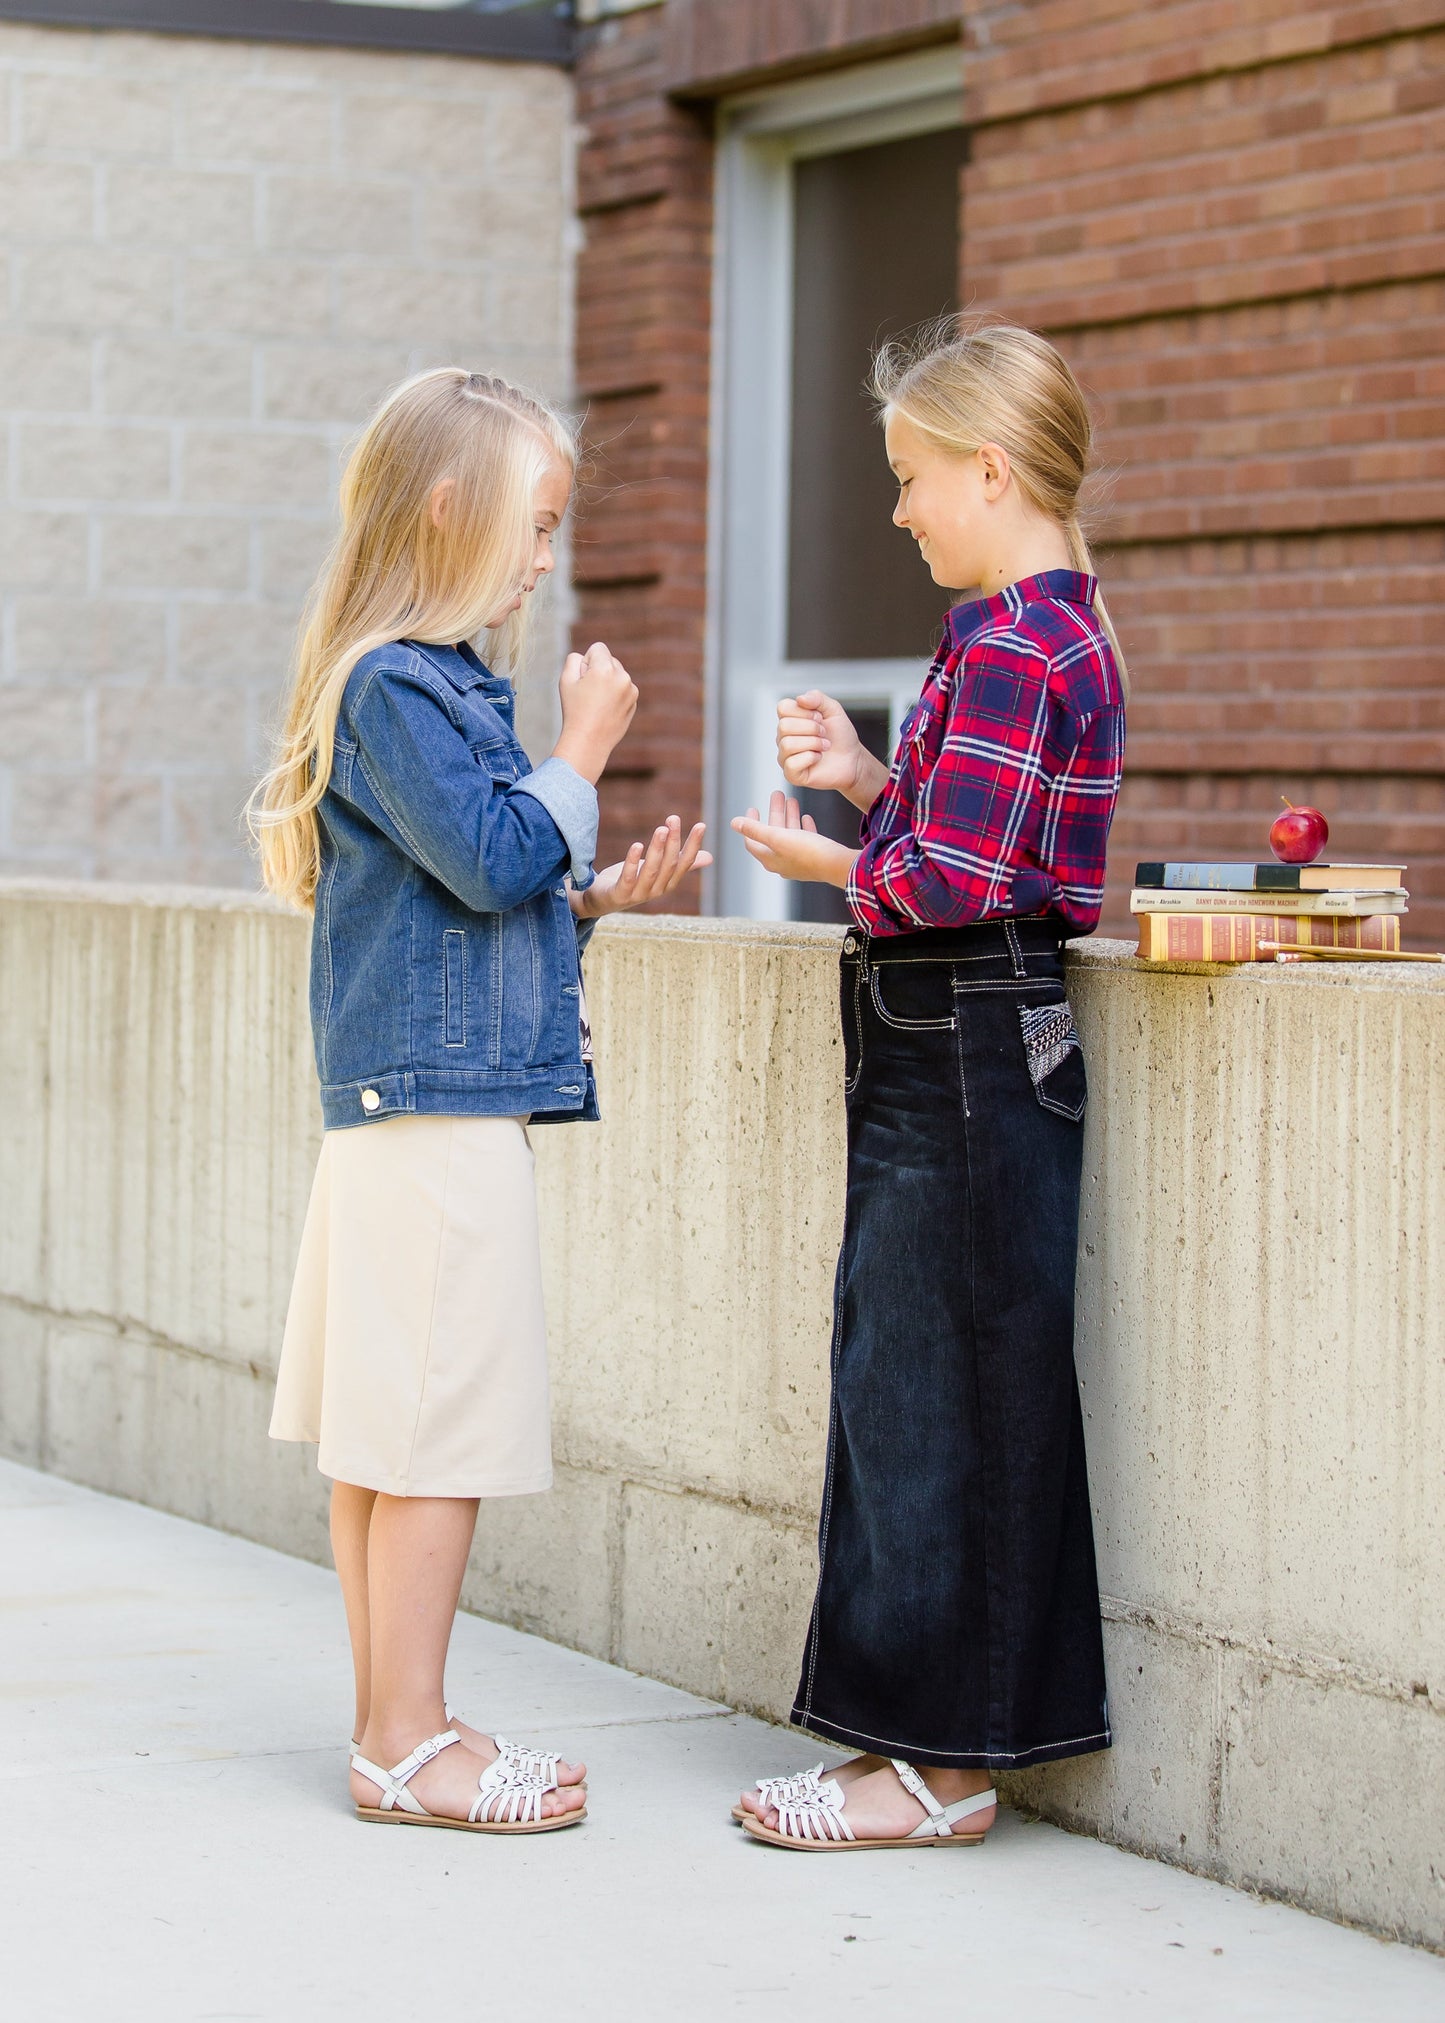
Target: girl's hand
(818, 747)
(644, 874)
(789, 844)
(598, 702)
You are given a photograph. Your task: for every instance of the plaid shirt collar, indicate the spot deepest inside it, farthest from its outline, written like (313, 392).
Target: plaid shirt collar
(1063, 586)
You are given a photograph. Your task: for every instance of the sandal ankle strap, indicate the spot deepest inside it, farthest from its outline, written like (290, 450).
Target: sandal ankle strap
(941, 1819)
(392, 1783)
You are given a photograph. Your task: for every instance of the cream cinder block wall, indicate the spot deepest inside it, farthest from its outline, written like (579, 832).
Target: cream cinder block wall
(219, 254)
(1261, 1344)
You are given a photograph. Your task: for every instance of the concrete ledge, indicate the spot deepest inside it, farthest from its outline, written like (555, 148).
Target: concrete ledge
(1262, 1344)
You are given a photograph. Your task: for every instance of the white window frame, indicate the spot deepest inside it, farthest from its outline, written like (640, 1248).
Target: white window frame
(760, 136)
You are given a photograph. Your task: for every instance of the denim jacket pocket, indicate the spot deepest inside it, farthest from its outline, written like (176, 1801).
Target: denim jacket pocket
(1055, 1058)
(454, 985)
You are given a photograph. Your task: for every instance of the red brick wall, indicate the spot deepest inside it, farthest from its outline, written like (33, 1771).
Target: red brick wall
(1231, 215)
(643, 318)
(719, 45)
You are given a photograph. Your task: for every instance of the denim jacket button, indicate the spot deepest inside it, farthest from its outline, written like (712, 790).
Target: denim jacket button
(370, 1100)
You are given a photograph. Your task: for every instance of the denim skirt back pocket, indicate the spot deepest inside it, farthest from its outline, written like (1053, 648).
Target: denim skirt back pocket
(1055, 1058)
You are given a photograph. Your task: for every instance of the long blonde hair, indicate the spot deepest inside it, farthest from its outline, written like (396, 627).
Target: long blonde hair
(392, 574)
(997, 383)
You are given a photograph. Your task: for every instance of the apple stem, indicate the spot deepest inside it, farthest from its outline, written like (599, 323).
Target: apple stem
(1288, 803)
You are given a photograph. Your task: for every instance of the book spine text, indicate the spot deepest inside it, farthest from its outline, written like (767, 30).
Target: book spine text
(1235, 937)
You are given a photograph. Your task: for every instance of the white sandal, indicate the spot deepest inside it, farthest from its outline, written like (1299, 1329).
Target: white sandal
(774, 1790)
(507, 1800)
(812, 1818)
(540, 1766)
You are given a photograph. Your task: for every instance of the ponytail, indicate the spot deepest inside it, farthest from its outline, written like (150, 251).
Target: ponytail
(1081, 555)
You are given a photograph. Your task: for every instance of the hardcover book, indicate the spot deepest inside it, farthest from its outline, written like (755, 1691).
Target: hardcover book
(1157, 899)
(1271, 877)
(1235, 937)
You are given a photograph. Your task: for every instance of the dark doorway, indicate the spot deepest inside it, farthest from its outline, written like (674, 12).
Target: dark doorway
(875, 254)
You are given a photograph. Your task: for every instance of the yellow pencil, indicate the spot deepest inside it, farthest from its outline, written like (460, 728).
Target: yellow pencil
(1281, 953)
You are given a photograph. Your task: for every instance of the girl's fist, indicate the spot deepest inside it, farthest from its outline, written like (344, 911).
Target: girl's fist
(599, 699)
(818, 747)
(817, 744)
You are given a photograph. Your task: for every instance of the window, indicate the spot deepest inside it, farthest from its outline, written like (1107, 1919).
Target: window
(875, 253)
(840, 206)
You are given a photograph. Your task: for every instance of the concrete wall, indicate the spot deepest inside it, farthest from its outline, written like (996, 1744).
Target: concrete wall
(219, 255)
(1262, 1276)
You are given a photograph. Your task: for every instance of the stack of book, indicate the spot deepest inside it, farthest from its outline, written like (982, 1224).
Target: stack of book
(1223, 912)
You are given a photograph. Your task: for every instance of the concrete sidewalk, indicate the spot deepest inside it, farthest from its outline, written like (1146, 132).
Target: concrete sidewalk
(173, 1712)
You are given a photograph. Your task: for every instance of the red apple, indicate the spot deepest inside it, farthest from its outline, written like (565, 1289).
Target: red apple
(1298, 835)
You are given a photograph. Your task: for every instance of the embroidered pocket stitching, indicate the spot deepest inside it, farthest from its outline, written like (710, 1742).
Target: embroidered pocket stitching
(1050, 1035)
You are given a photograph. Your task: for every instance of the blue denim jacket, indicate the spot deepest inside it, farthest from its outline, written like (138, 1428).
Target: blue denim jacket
(444, 959)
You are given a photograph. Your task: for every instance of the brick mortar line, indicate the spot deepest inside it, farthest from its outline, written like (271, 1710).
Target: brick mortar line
(608, 207)
(1096, 203)
(1108, 544)
(1205, 156)
(1255, 771)
(1320, 292)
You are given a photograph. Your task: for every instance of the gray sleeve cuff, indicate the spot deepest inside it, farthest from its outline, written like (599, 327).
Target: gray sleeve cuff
(572, 803)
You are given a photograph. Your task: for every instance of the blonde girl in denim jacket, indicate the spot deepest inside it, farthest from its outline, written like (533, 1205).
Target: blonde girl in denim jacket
(451, 887)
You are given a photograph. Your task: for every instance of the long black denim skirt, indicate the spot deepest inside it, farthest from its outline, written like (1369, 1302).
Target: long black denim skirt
(957, 1613)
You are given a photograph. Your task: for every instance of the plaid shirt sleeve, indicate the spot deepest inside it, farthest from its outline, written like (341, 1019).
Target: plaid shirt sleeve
(999, 800)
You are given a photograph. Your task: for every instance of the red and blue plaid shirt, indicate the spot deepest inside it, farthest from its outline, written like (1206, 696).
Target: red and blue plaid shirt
(1007, 770)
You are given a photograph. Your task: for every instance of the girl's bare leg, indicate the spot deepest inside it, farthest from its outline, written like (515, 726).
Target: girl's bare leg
(351, 1510)
(417, 1554)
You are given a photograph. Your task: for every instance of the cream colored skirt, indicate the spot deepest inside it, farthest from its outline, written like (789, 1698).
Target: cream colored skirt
(415, 1351)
